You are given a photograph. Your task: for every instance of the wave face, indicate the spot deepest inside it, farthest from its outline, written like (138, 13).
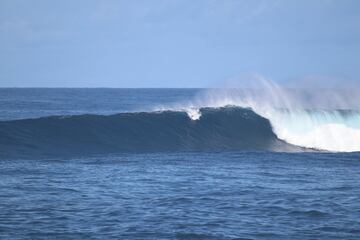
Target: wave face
(328, 130)
(227, 128)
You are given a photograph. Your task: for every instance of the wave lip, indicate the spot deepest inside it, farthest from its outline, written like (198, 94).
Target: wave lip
(225, 128)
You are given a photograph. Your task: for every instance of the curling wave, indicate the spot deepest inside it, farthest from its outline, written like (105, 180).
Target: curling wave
(328, 130)
(225, 128)
(325, 119)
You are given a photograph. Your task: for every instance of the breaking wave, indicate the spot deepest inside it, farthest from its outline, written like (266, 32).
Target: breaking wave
(227, 128)
(322, 119)
(330, 130)
(266, 118)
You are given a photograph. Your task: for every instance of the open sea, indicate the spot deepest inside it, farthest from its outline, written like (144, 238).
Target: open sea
(148, 164)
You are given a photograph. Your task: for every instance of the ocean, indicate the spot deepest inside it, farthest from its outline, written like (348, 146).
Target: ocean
(174, 164)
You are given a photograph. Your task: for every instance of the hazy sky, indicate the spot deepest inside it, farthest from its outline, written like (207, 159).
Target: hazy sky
(175, 43)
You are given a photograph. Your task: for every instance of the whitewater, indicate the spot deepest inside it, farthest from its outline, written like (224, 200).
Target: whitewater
(331, 130)
(296, 117)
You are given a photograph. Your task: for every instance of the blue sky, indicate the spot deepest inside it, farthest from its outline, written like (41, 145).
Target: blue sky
(176, 43)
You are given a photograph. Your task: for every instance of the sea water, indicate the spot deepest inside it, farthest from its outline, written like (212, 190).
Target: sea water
(215, 190)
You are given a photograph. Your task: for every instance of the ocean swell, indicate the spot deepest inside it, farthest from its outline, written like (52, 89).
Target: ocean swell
(225, 128)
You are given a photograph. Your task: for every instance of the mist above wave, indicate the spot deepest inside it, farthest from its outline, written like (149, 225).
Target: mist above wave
(308, 116)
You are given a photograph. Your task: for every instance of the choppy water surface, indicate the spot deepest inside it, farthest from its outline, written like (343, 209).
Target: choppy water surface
(238, 195)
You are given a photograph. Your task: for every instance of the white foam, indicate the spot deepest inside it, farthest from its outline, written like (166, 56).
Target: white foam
(331, 137)
(193, 113)
(321, 129)
(325, 130)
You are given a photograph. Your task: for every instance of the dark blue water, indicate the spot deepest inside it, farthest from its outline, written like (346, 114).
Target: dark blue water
(168, 194)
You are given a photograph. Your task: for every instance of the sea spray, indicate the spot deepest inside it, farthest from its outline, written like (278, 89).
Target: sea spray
(297, 116)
